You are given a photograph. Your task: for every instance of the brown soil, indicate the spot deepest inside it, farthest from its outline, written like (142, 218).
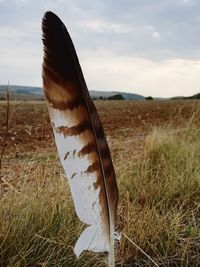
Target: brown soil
(124, 122)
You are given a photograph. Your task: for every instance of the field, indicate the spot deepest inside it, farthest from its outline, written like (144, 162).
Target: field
(155, 147)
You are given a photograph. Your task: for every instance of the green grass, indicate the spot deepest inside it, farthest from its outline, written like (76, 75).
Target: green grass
(159, 209)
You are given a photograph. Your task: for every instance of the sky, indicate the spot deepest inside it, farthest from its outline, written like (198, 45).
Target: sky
(149, 47)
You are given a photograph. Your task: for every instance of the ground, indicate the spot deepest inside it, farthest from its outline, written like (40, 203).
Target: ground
(30, 157)
(125, 122)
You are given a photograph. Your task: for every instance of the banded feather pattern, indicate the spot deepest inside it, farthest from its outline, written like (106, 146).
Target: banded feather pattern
(80, 139)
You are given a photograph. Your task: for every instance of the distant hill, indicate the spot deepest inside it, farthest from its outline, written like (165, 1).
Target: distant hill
(107, 94)
(36, 93)
(22, 92)
(196, 96)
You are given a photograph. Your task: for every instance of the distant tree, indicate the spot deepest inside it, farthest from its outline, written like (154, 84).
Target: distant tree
(2, 98)
(197, 96)
(99, 98)
(149, 98)
(116, 97)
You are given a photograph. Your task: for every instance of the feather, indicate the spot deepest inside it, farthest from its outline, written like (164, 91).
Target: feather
(80, 139)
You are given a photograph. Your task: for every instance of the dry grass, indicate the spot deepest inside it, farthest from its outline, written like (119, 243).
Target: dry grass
(160, 200)
(38, 225)
(159, 205)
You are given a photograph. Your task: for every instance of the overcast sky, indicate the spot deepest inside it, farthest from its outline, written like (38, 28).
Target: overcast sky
(149, 47)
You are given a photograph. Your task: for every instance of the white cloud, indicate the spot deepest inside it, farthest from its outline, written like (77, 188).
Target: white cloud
(10, 33)
(187, 2)
(156, 35)
(132, 34)
(158, 78)
(105, 26)
(106, 71)
(20, 2)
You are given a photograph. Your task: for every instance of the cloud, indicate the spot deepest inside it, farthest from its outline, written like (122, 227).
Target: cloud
(106, 26)
(189, 2)
(156, 35)
(9, 33)
(147, 47)
(157, 78)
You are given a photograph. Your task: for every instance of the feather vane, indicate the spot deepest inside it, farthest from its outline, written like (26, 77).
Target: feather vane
(80, 138)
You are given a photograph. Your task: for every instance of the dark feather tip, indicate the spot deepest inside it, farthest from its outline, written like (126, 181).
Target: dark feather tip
(60, 59)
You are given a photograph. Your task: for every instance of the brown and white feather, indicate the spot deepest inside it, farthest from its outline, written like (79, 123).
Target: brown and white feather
(79, 137)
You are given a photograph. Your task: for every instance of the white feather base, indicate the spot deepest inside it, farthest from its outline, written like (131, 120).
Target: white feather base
(91, 239)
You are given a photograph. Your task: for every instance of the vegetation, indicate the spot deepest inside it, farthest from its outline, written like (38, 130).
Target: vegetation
(113, 97)
(163, 199)
(99, 98)
(158, 209)
(197, 96)
(2, 97)
(116, 97)
(149, 98)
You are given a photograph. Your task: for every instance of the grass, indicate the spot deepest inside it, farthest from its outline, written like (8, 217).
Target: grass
(159, 208)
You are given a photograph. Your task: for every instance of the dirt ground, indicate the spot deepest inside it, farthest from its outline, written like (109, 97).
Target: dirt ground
(125, 122)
